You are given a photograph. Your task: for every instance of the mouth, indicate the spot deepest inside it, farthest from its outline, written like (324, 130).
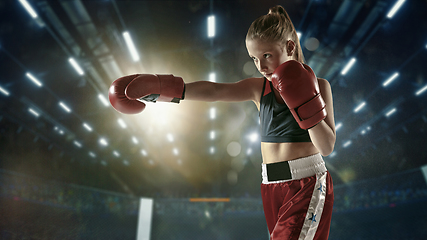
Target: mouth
(268, 75)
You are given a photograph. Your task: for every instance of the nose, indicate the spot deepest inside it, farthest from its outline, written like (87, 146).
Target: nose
(262, 67)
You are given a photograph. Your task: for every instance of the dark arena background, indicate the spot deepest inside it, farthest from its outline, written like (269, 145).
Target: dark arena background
(71, 167)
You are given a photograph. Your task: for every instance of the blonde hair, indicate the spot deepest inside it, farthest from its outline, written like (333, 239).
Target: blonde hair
(276, 26)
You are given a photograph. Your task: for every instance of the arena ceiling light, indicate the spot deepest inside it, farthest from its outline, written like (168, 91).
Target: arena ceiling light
(122, 123)
(76, 66)
(360, 107)
(212, 113)
(390, 112)
(211, 26)
(131, 46)
(390, 79)
(253, 137)
(85, 125)
(364, 131)
(175, 151)
(103, 142)
(144, 152)
(338, 126)
(4, 91)
(212, 77)
(78, 144)
(103, 100)
(395, 8)
(29, 9)
(346, 144)
(348, 66)
(212, 135)
(57, 129)
(65, 107)
(135, 140)
(419, 92)
(170, 137)
(115, 153)
(34, 80)
(34, 112)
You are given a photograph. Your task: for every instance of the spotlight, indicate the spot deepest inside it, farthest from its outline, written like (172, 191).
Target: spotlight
(2, 90)
(346, 144)
(338, 126)
(395, 8)
(419, 92)
(34, 112)
(76, 66)
(29, 9)
(253, 137)
(348, 66)
(122, 123)
(103, 100)
(65, 107)
(34, 80)
(131, 46)
(212, 135)
(212, 77)
(85, 125)
(117, 154)
(144, 152)
(170, 137)
(212, 113)
(390, 79)
(359, 107)
(77, 144)
(390, 112)
(211, 26)
(103, 142)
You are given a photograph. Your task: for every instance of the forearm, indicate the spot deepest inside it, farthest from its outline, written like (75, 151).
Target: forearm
(240, 91)
(200, 91)
(323, 138)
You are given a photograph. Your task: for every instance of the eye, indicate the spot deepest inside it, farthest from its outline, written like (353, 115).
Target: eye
(254, 59)
(267, 55)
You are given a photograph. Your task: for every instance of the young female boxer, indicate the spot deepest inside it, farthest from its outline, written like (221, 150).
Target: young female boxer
(297, 123)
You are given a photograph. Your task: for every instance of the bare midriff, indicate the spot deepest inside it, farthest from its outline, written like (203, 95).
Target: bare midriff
(279, 152)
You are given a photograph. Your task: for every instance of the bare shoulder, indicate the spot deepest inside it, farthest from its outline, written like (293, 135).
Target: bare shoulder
(254, 81)
(323, 82)
(324, 85)
(254, 86)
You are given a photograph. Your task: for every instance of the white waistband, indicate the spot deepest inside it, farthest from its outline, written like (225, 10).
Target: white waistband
(299, 168)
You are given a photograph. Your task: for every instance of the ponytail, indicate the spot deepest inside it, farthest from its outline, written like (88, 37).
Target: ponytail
(276, 26)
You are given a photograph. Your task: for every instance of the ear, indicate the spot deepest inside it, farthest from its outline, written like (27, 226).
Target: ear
(290, 47)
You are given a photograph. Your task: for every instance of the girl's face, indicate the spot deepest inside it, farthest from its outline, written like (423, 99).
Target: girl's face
(266, 55)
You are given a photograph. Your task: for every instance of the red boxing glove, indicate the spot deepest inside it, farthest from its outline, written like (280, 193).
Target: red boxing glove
(127, 93)
(299, 88)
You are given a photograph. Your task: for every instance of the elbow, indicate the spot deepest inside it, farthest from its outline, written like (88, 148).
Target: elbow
(327, 148)
(326, 151)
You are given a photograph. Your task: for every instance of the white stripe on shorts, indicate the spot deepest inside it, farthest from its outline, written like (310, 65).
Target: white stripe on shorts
(315, 209)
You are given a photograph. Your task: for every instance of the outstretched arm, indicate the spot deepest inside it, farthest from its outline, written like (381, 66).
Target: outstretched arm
(244, 90)
(127, 93)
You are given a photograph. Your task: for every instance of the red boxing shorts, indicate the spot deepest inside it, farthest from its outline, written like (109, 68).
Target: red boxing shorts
(298, 197)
